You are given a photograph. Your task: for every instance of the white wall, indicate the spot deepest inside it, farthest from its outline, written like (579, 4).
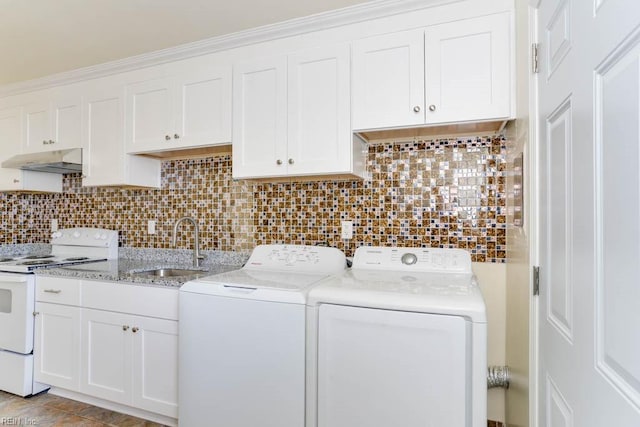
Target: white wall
(492, 280)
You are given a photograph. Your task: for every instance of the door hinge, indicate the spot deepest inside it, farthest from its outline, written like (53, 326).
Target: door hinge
(535, 64)
(536, 280)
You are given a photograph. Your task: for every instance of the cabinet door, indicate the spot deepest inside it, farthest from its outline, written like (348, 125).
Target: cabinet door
(203, 109)
(10, 145)
(66, 124)
(56, 350)
(260, 118)
(103, 162)
(37, 125)
(319, 137)
(106, 355)
(149, 116)
(468, 69)
(155, 365)
(388, 80)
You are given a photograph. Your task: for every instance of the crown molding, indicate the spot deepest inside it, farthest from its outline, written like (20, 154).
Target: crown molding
(321, 21)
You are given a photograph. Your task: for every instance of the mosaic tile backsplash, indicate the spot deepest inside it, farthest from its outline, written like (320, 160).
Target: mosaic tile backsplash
(444, 193)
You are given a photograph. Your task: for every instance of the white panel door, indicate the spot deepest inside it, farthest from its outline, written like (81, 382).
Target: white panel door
(319, 137)
(155, 365)
(388, 80)
(56, 351)
(260, 118)
(589, 100)
(381, 368)
(104, 161)
(149, 115)
(468, 69)
(203, 109)
(106, 355)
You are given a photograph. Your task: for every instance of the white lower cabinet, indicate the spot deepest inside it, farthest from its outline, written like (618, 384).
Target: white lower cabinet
(57, 345)
(88, 341)
(131, 360)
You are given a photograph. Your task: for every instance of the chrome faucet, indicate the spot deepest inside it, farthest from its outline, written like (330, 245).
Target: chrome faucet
(196, 245)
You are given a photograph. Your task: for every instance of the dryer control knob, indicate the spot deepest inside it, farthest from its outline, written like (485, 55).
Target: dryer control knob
(409, 259)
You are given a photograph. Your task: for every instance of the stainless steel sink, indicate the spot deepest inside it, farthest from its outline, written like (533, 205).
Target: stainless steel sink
(168, 272)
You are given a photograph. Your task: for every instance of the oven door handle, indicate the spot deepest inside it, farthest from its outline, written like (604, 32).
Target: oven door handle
(53, 291)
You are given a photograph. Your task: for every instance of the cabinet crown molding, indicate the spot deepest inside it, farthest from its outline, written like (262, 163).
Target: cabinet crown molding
(307, 24)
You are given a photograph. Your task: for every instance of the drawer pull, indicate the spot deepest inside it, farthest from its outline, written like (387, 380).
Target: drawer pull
(53, 291)
(125, 327)
(134, 329)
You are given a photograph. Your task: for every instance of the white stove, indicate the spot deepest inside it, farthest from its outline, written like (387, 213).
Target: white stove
(68, 247)
(17, 298)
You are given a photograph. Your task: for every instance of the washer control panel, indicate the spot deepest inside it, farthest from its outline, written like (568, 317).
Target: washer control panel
(412, 259)
(297, 258)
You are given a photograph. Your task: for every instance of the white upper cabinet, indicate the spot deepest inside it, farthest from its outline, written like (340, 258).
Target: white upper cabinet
(260, 118)
(468, 70)
(54, 122)
(388, 80)
(11, 134)
(319, 125)
(188, 109)
(453, 72)
(104, 159)
(291, 116)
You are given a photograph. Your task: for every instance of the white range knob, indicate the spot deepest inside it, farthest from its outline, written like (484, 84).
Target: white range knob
(103, 236)
(96, 236)
(76, 234)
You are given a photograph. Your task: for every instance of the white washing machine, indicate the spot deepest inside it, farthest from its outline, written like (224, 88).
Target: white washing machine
(401, 341)
(242, 339)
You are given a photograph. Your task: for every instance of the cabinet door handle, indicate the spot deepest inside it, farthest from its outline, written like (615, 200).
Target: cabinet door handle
(278, 162)
(167, 137)
(53, 291)
(176, 136)
(15, 181)
(134, 329)
(35, 313)
(125, 327)
(44, 142)
(51, 141)
(290, 161)
(416, 109)
(432, 107)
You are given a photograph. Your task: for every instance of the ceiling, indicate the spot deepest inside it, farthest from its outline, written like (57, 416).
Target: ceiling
(43, 37)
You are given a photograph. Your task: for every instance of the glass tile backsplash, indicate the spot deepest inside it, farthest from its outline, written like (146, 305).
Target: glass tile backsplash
(434, 193)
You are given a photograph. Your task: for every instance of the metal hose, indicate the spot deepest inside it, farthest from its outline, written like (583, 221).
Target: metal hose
(498, 376)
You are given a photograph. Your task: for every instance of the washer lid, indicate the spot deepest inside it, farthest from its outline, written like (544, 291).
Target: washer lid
(246, 283)
(438, 293)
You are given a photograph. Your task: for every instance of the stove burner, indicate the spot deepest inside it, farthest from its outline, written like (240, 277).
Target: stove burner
(78, 258)
(38, 256)
(40, 262)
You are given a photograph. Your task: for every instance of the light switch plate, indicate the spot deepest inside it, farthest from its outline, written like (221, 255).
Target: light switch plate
(347, 229)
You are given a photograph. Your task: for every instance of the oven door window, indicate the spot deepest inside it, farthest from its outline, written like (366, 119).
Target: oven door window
(5, 301)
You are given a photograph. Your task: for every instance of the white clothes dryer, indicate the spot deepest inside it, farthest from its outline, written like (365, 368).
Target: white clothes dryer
(401, 341)
(242, 339)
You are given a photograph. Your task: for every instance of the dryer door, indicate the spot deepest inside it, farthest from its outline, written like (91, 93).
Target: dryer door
(390, 368)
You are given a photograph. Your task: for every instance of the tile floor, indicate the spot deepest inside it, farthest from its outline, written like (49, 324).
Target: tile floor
(47, 410)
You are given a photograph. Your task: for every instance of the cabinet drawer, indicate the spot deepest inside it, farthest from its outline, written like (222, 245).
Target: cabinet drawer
(58, 290)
